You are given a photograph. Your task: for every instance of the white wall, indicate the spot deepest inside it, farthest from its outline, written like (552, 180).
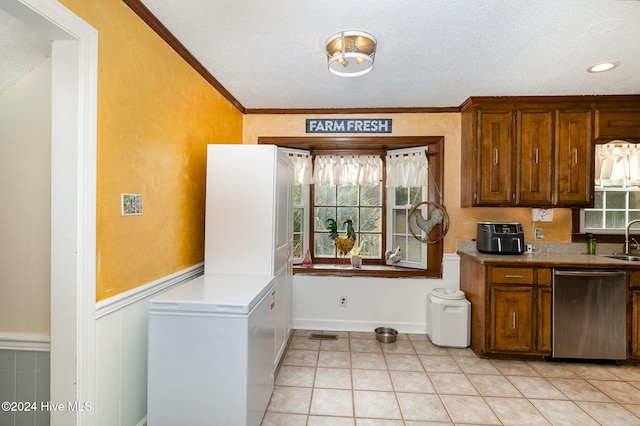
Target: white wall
(400, 303)
(25, 206)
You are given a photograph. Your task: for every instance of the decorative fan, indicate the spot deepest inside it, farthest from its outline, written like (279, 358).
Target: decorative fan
(436, 215)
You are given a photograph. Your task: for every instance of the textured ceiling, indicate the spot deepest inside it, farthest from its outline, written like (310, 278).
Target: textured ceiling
(270, 53)
(21, 49)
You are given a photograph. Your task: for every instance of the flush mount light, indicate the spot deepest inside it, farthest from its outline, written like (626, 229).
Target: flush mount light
(603, 66)
(350, 53)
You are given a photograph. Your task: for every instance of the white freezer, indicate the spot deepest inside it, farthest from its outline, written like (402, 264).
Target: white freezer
(211, 351)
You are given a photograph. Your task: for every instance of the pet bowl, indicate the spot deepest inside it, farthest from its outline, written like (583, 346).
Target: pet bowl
(386, 335)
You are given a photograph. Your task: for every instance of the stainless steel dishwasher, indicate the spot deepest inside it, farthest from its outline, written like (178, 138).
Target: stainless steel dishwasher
(589, 314)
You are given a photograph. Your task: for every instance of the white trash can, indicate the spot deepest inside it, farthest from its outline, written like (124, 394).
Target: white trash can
(449, 313)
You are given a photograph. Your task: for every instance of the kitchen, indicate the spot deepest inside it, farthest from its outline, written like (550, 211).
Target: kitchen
(125, 268)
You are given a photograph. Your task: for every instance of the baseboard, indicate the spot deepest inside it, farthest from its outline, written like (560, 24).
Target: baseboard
(25, 342)
(119, 301)
(340, 325)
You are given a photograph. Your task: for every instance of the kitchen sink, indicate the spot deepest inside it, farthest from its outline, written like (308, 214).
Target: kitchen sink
(625, 257)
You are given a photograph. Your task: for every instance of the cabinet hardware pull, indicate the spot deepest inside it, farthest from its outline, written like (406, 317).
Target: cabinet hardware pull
(537, 156)
(513, 320)
(496, 155)
(514, 276)
(575, 155)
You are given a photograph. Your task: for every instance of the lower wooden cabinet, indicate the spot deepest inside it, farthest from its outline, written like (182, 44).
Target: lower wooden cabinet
(634, 329)
(510, 308)
(511, 318)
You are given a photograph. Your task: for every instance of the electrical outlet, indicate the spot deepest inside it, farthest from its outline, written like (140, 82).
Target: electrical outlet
(342, 302)
(542, 215)
(538, 234)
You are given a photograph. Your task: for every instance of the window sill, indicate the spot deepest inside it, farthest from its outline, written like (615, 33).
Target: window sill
(381, 271)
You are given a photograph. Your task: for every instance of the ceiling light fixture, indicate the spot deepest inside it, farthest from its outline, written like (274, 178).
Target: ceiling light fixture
(350, 53)
(603, 66)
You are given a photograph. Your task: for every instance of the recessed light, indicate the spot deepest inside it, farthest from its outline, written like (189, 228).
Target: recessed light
(603, 66)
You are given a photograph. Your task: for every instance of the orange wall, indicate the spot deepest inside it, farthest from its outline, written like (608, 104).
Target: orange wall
(462, 220)
(155, 117)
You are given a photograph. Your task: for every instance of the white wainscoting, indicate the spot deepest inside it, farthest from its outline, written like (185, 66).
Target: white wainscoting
(121, 351)
(400, 303)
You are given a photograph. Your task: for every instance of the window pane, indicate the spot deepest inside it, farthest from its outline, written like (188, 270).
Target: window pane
(297, 246)
(324, 195)
(597, 203)
(298, 220)
(402, 196)
(593, 219)
(371, 245)
(399, 221)
(415, 194)
(616, 200)
(348, 195)
(632, 216)
(414, 251)
(371, 195)
(634, 199)
(297, 193)
(615, 220)
(345, 213)
(320, 218)
(323, 246)
(370, 219)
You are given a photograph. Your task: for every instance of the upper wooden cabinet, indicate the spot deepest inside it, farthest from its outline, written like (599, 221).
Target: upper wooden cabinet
(620, 123)
(527, 154)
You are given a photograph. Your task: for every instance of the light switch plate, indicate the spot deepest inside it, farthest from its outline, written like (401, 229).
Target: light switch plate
(542, 215)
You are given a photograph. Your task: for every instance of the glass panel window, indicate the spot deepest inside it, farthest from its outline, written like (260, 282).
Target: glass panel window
(400, 201)
(362, 204)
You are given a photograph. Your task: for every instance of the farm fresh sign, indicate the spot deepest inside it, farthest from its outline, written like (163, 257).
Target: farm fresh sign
(349, 125)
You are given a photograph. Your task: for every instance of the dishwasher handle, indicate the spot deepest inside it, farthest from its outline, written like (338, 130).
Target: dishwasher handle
(587, 273)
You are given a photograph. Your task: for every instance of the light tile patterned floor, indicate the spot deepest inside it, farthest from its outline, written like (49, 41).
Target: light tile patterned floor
(358, 381)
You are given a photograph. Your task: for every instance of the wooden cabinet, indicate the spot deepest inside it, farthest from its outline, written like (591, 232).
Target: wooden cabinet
(527, 154)
(574, 158)
(535, 157)
(618, 123)
(510, 308)
(511, 318)
(494, 156)
(633, 315)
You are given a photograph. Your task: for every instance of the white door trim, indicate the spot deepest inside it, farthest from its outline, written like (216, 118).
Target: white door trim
(73, 202)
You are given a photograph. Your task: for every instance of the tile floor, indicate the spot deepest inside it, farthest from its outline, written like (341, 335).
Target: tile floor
(358, 381)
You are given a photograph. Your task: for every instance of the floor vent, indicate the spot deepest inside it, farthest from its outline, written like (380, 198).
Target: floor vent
(324, 336)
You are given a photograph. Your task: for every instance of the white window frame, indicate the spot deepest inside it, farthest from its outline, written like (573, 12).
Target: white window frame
(609, 231)
(391, 206)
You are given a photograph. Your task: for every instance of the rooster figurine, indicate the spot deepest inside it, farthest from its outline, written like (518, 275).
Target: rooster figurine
(393, 257)
(343, 244)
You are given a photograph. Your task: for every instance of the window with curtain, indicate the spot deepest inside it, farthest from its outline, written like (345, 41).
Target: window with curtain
(353, 187)
(617, 188)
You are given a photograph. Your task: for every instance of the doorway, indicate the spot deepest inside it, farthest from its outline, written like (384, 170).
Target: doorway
(73, 200)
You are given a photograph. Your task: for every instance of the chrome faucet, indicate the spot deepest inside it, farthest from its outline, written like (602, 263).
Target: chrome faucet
(627, 241)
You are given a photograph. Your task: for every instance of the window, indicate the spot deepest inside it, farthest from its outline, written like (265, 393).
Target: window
(617, 189)
(378, 214)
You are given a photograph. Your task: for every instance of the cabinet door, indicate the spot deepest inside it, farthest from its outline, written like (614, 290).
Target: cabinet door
(494, 181)
(574, 158)
(511, 318)
(617, 124)
(543, 340)
(635, 324)
(535, 153)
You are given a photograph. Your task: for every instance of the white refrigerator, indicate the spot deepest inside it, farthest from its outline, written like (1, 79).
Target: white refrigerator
(211, 351)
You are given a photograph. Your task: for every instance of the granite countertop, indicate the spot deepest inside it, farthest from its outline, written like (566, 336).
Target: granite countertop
(553, 255)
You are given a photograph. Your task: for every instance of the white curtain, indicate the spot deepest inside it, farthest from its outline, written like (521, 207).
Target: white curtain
(301, 167)
(347, 170)
(617, 165)
(407, 170)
